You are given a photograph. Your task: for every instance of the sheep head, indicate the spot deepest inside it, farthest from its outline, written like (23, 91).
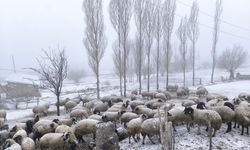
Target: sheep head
(189, 111)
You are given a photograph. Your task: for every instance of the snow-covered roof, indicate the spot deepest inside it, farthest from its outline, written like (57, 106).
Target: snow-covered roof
(22, 78)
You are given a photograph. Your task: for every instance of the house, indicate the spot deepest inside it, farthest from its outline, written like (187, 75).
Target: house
(20, 86)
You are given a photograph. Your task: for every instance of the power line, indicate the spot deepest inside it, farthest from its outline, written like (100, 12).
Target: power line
(207, 14)
(224, 32)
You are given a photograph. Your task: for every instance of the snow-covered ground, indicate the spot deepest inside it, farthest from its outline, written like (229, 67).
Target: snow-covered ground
(184, 140)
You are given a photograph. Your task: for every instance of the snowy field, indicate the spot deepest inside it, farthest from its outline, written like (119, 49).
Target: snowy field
(183, 140)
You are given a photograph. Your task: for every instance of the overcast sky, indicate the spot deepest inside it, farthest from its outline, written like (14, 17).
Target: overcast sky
(27, 26)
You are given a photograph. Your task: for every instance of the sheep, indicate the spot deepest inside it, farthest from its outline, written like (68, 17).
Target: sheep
(25, 142)
(245, 96)
(42, 127)
(69, 121)
(203, 117)
(149, 128)
(149, 95)
(242, 115)
(182, 91)
(172, 88)
(20, 132)
(95, 117)
(144, 110)
(134, 92)
(70, 105)
(187, 103)
(27, 125)
(150, 103)
(79, 114)
(3, 114)
(41, 109)
(100, 107)
(227, 115)
(62, 102)
(63, 128)
(214, 102)
(113, 99)
(57, 141)
(66, 129)
(111, 116)
(201, 91)
(161, 96)
(177, 116)
(127, 116)
(85, 126)
(10, 144)
(135, 103)
(134, 126)
(118, 107)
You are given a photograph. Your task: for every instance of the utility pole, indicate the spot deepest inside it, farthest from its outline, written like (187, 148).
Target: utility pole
(14, 65)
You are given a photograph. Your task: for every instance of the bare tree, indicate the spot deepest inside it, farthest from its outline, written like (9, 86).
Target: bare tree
(193, 32)
(182, 34)
(117, 59)
(218, 11)
(231, 59)
(149, 33)
(53, 70)
(75, 74)
(139, 6)
(115, 13)
(168, 23)
(95, 41)
(125, 20)
(158, 35)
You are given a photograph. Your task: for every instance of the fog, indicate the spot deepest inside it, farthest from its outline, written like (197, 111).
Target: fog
(28, 26)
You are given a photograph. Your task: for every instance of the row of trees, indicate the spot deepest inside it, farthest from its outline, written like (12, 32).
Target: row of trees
(154, 21)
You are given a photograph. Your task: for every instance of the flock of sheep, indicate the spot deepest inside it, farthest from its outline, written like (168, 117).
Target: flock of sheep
(134, 116)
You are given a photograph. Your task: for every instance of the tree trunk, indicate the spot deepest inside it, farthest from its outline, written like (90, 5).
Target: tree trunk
(157, 63)
(193, 62)
(167, 70)
(58, 106)
(98, 83)
(231, 74)
(213, 67)
(120, 69)
(148, 73)
(125, 70)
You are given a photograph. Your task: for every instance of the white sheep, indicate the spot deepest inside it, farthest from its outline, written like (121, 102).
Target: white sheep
(100, 107)
(227, 115)
(85, 126)
(3, 114)
(95, 117)
(134, 126)
(150, 127)
(25, 142)
(242, 115)
(57, 141)
(127, 116)
(135, 103)
(10, 144)
(111, 116)
(201, 91)
(202, 117)
(42, 127)
(79, 114)
(144, 110)
(41, 109)
(70, 105)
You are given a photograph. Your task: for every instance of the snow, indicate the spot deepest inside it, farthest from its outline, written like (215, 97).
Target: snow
(22, 78)
(184, 140)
